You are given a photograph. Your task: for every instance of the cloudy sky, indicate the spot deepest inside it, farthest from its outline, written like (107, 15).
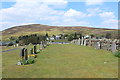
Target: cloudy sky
(98, 14)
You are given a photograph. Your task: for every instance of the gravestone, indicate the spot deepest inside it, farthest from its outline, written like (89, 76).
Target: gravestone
(79, 41)
(113, 47)
(25, 54)
(17, 45)
(41, 45)
(85, 42)
(98, 45)
(22, 53)
(45, 44)
(31, 51)
(108, 45)
(90, 41)
(82, 41)
(35, 49)
(73, 41)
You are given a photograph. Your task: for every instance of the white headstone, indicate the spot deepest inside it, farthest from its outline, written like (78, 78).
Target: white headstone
(85, 42)
(82, 41)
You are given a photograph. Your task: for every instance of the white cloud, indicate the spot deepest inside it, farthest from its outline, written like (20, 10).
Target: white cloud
(70, 22)
(74, 13)
(38, 11)
(31, 11)
(94, 2)
(109, 20)
(93, 11)
(107, 15)
(110, 23)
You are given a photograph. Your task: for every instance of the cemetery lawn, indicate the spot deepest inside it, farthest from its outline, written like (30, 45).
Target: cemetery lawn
(63, 61)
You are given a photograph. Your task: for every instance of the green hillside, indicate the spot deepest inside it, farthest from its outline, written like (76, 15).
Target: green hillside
(42, 29)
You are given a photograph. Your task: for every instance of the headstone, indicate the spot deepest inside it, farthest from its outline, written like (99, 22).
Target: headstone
(25, 54)
(108, 45)
(113, 47)
(90, 41)
(79, 41)
(82, 41)
(45, 44)
(17, 45)
(35, 49)
(85, 42)
(98, 45)
(31, 51)
(22, 53)
(41, 46)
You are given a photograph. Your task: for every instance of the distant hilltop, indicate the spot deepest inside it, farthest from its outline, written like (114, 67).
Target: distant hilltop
(42, 29)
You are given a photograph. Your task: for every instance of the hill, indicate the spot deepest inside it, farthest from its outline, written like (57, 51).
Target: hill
(42, 29)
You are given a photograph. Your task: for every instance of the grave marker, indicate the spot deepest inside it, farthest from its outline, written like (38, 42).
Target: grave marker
(35, 49)
(82, 41)
(113, 47)
(25, 54)
(31, 51)
(22, 53)
(85, 42)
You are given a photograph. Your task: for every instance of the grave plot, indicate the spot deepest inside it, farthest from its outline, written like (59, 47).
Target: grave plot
(28, 58)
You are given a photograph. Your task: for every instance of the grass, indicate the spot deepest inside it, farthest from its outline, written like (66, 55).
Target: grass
(63, 61)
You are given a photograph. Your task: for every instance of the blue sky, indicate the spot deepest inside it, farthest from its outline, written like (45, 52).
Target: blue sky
(63, 13)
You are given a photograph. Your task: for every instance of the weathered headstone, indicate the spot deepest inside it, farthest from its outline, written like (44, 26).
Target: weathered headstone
(82, 41)
(31, 51)
(35, 49)
(41, 45)
(98, 45)
(25, 54)
(79, 41)
(113, 47)
(17, 45)
(85, 42)
(90, 41)
(108, 45)
(45, 44)
(22, 53)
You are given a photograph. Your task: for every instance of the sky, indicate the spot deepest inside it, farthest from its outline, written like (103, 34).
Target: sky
(91, 13)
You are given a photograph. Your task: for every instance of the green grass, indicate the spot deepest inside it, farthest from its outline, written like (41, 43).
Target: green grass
(63, 61)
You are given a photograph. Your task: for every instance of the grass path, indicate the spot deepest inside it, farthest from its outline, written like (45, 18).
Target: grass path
(63, 61)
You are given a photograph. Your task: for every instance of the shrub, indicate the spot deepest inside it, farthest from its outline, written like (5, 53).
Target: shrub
(117, 53)
(30, 60)
(23, 62)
